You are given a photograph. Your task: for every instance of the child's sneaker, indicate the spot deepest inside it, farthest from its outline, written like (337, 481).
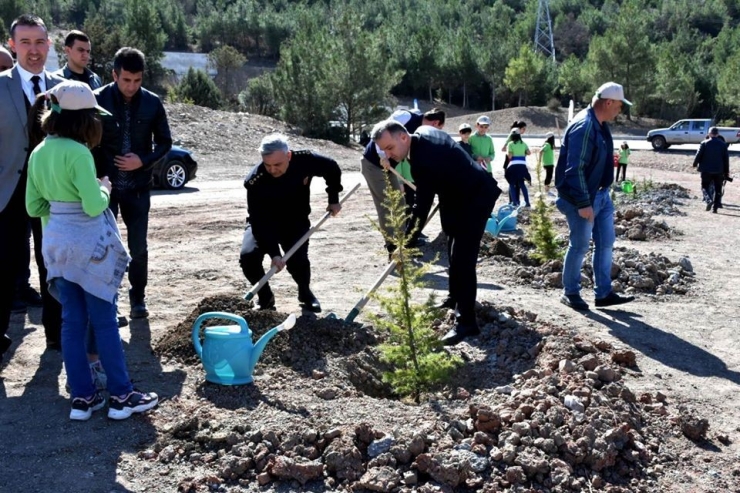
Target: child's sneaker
(134, 402)
(82, 408)
(100, 379)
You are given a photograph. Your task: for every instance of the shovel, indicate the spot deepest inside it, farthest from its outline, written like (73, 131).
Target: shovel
(250, 294)
(391, 267)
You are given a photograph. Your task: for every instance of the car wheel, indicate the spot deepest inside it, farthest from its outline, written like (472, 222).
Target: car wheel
(659, 143)
(174, 175)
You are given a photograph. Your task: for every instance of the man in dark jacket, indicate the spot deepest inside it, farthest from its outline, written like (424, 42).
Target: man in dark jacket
(713, 161)
(467, 194)
(138, 124)
(583, 176)
(278, 204)
(77, 49)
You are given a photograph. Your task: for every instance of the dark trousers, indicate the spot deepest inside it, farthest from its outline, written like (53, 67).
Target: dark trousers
(623, 168)
(548, 174)
(410, 196)
(716, 179)
(464, 247)
(24, 273)
(298, 265)
(134, 208)
(13, 231)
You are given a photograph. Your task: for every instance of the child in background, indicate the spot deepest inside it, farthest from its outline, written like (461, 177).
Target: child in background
(465, 131)
(547, 154)
(82, 248)
(521, 126)
(517, 172)
(482, 143)
(623, 159)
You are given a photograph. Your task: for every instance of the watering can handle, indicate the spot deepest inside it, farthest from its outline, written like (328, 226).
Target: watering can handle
(206, 316)
(391, 267)
(250, 294)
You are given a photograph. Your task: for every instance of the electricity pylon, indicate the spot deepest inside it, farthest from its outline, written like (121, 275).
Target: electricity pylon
(543, 42)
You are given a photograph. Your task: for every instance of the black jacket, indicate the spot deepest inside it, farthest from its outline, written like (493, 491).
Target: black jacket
(150, 133)
(441, 167)
(91, 78)
(274, 204)
(713, 157)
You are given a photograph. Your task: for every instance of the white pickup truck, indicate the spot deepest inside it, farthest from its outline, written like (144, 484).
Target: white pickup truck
(689, 132)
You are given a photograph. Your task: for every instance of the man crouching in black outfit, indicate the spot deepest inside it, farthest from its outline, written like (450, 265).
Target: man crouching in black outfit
(278, 204)
(467, 194)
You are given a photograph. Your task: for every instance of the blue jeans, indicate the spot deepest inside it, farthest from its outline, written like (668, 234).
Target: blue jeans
(79, 306)
(581, 232)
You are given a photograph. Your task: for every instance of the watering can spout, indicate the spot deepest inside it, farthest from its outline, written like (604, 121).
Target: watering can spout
(259, 346)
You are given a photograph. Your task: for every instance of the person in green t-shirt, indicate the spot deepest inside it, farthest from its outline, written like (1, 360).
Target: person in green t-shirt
(82, 248)
(547, 155)
(482, 143)
(521, 126)
(517, 172)
(623, 159)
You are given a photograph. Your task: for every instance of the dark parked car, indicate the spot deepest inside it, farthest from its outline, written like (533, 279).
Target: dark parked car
(175, 169)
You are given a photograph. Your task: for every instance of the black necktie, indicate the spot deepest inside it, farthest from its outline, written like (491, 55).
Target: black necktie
(36, 87)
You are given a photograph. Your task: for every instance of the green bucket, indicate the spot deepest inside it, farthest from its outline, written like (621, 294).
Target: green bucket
(628, 186)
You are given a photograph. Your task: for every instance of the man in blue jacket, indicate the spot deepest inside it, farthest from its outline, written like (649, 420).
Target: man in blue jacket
(583, 176)
(467, 194)
(713, 161)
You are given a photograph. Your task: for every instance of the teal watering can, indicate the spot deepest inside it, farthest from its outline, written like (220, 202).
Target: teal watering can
(227, 352)
(503, 221)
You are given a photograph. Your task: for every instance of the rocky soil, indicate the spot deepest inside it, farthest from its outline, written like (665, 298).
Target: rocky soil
(535, 407)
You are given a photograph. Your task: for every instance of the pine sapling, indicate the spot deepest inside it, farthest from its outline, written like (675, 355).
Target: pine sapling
(412, 349)
(542, 232)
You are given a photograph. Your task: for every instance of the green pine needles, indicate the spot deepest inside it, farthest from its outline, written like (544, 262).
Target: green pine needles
(412, 349)
(542, 231)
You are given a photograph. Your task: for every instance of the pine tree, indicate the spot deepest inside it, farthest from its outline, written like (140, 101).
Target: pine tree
(197, 88)
(412, 349)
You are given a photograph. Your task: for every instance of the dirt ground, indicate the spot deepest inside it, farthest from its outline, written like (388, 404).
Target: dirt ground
(686, 350)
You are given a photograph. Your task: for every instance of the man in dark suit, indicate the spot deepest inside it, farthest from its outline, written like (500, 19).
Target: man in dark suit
(29, 39)
(467, 194)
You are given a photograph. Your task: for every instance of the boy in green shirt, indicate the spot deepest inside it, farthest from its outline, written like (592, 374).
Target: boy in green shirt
(482, 143)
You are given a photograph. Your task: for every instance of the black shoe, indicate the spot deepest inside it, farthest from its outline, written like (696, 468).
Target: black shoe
(31, 297)
(122, 321)
(266, 303)
(5, 343)
(308, 301)
(613, 299)
(574, 301)
(458, 333)
(714, 211)
(19, 306)
(53, 345)
(720, 206)
(82, 409)
(139, 310)
(134, 402)
(709, 206)
(446, 304)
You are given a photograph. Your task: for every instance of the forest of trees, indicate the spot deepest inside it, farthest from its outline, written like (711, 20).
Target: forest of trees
(340, 60)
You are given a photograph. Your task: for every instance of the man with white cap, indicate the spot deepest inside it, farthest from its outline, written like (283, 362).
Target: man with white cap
(374, 163)
(583, 177)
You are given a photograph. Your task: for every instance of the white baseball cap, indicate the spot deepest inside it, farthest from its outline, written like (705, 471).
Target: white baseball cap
(610, 90)
(549, 134)
(74, 95)
(483, 120)
(464, 126)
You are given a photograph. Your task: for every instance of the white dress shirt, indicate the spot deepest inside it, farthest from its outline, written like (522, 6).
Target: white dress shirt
(27, 84)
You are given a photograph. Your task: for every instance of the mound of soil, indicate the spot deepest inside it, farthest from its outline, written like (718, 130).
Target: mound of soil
(633, 218)
(631, 271)
(533, 408)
